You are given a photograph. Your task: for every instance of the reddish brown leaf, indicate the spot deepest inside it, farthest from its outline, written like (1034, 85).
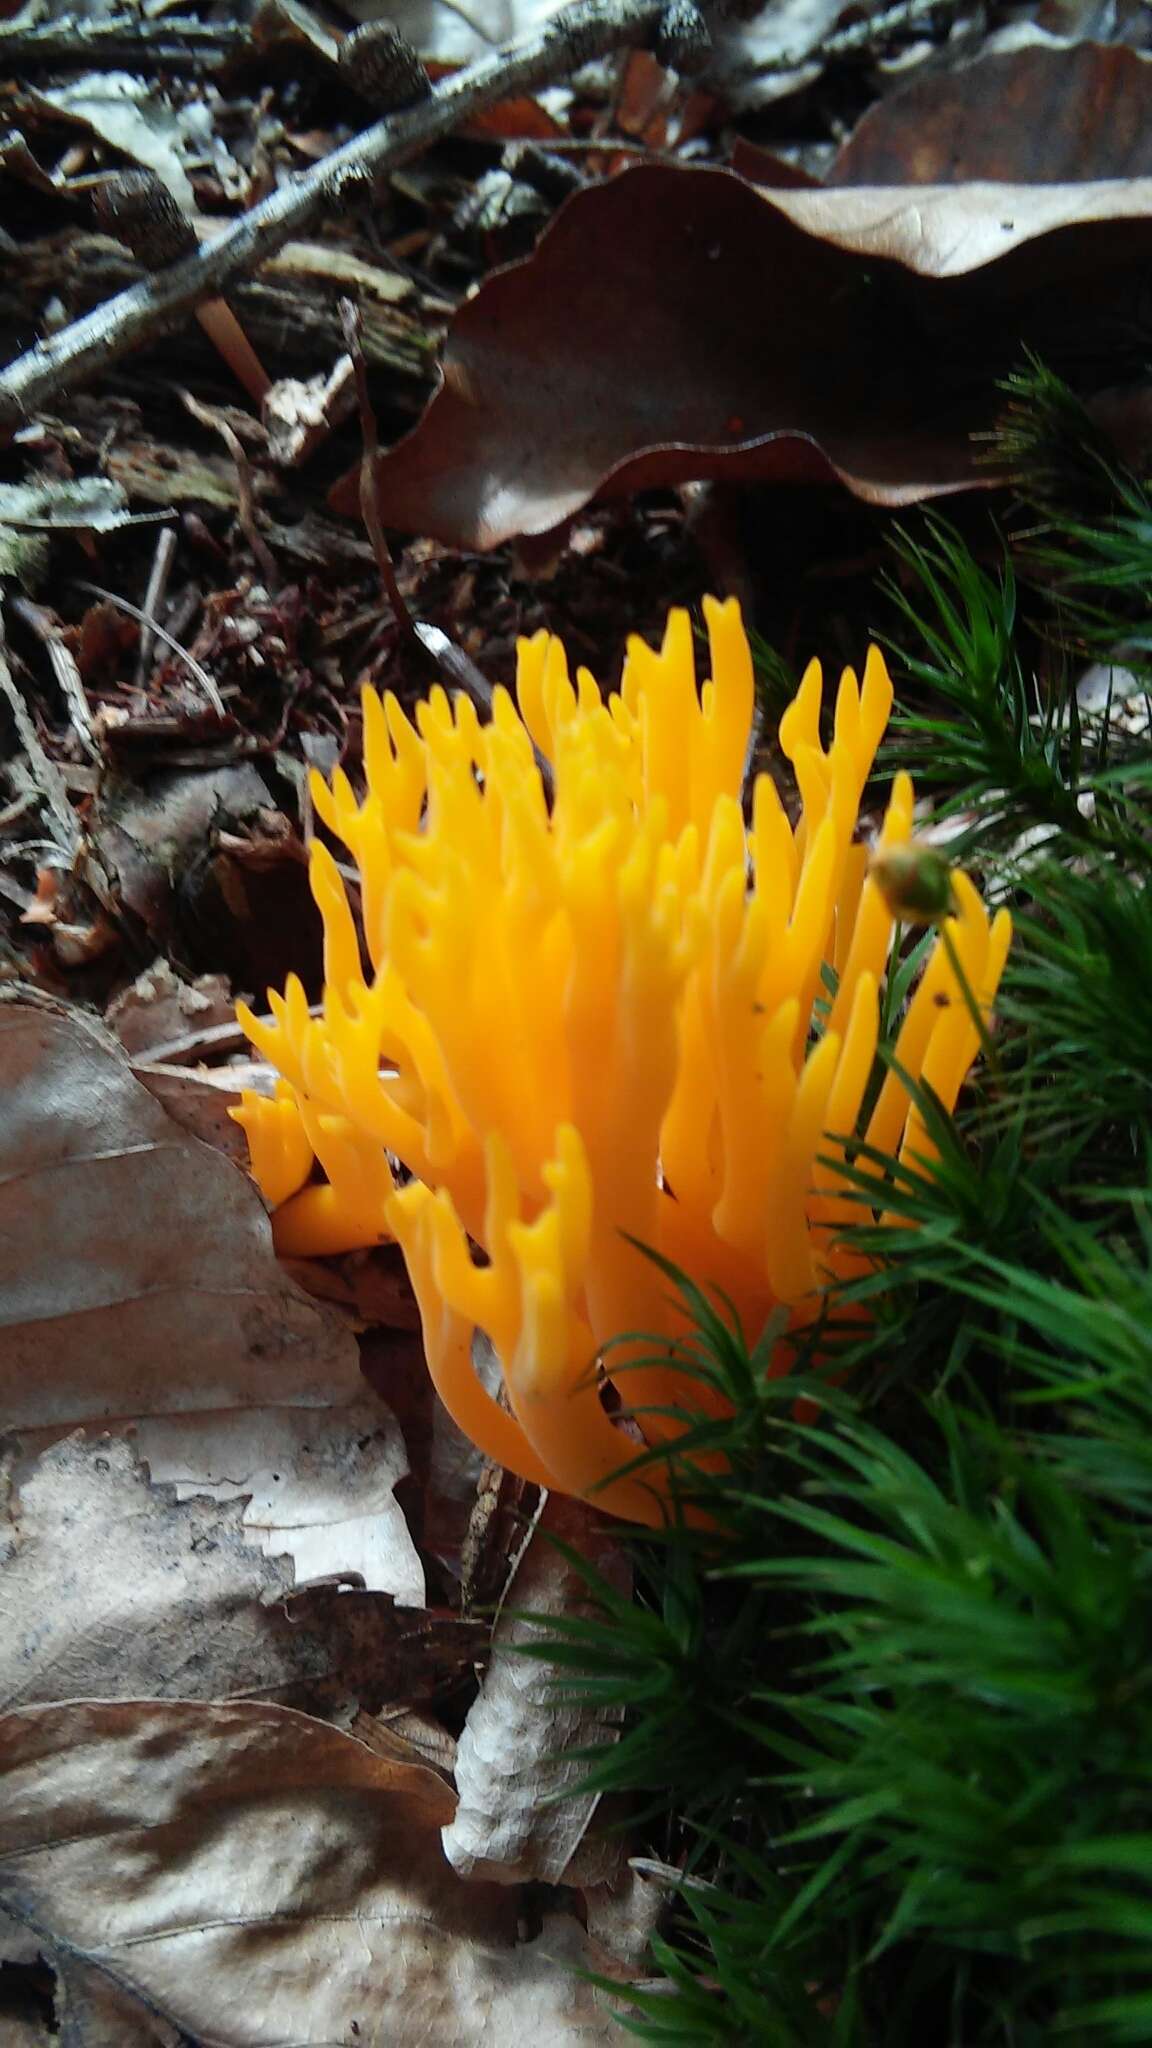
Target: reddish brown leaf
(138, 1275)
(522, 119)
(679, 323)
(1033, 115)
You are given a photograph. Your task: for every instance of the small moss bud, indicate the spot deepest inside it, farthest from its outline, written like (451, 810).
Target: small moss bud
(915, 882)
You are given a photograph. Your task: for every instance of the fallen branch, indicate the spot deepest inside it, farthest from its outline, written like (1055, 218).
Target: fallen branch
(131, 42)
(587, 29)
(865, 34)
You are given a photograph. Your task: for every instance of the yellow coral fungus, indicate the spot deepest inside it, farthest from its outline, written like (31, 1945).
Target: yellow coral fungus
(630, 1018)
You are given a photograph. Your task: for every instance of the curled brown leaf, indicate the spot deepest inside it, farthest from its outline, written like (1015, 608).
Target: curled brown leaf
(678, 323)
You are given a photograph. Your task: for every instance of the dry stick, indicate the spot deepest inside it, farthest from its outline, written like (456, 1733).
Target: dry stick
(859, 35)
(130, 41)
(463, 672)
(352, 328)
(158, 576)
(208, 416)
(65, 668)
(588, 29)
(161, 632)
(137, 207)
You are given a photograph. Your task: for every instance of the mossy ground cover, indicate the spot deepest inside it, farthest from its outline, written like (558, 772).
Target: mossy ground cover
(888, 1721)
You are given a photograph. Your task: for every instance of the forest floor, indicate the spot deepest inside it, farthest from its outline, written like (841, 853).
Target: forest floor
(666, 304)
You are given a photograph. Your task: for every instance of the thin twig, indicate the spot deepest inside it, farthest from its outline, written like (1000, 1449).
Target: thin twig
(191, 664)
(467, 677)
(585, 30)
(352, 328)
(65, 668)
(158, 576)
(859, 35)
(456, 666)
(246, 498)
(176, 43)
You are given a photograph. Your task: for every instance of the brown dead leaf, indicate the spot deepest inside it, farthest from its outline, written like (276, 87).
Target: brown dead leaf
(162, 1005)
(255, 1877)
(514, 1754)
(1039, 114)
(199, 1098)
(623, 1915)
(96, 2013)
(153, 837)
(111, 1588)
(404, 1735)
(678, 323)
(139, 1276)
(143, 1285)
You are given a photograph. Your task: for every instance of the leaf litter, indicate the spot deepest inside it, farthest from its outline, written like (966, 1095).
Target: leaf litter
(206, 1493)
(855, 333)
(112, 1587)
(254, 1876)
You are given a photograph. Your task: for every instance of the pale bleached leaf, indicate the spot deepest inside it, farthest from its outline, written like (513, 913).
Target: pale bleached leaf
(87, 504)
(112, 1588)
(317, 1486)
(135, 117)
(515, 1752)
(256, 1878)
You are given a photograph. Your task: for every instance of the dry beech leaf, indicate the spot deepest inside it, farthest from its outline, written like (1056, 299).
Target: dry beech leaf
(142, 1283)
(1042, 113)
(199, 1099)
(254, 1877)
(112, 1588)
(133, 117)
(514, 1754)
(319, 1486)
(623, 1915)
(91, 504)
(95, 2013)
(161, 1006)
(678, 323)
(139, 1276)
(108, 1588)
(457, 35)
